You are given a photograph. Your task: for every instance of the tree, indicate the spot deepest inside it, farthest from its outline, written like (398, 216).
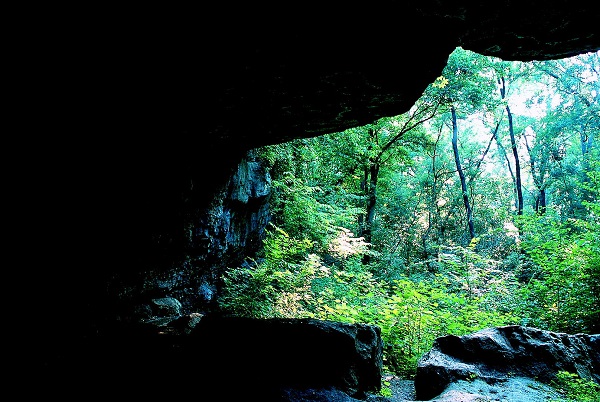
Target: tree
(570, 125)
(387, 142)
(576, 80)
(461, 175)
(464, 85)
(513, 146)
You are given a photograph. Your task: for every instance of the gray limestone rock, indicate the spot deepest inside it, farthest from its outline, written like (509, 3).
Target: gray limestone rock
(498, 355)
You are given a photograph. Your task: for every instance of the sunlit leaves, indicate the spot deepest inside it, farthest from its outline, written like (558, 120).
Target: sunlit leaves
(440, 82)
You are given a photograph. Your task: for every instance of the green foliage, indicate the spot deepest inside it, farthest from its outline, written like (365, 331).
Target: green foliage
(410, 314)
(312, 196)
(562, 291)
(281, 249)
(419, 311)
(290, 282)
(576, 389)
(592, 186)
(466, 82)
(278, 286)
(386, 390)
(299, 210)
(288, 279)
(562, 294)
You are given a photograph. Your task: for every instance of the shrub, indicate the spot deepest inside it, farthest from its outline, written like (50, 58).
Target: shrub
(576, 389)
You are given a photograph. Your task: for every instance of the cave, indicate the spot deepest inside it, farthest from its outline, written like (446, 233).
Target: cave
(142, 118)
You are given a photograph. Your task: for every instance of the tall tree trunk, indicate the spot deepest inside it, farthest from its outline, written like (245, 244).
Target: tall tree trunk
(541, 207)
(461, 175)
(512, 175)
(433, 201)
(364, 185)
(538, 180)
(513, 143)
(371, 200)
(371, 203)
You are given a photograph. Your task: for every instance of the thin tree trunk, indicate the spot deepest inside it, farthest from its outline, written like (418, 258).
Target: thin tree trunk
(371, 204)
(512, 175)
(487, 149)
(371, 201)
(461, 175)
(513, 144)
(433, 206)
(364, 185)
(538, 181)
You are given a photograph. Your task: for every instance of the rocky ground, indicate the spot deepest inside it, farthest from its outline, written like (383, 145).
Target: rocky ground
(402, 390)
(517, 389)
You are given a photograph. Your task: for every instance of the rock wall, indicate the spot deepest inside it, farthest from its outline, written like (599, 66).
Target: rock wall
(223, 236)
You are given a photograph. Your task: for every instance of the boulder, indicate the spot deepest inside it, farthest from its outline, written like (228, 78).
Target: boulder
(281, 359)
(213, 358)
(499, 355)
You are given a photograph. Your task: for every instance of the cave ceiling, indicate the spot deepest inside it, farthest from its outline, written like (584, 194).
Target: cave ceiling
(251, 76)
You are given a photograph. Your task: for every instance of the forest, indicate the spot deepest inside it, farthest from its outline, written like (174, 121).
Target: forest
(478, 207)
